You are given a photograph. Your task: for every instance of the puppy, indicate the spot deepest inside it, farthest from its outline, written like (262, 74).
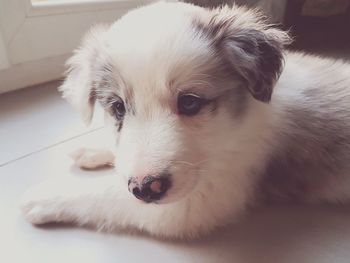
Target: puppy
(208, 120)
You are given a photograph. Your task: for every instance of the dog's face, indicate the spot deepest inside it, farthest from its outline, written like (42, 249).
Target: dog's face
(179, 83)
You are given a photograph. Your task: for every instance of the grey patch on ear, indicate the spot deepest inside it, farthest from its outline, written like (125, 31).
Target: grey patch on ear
(252, 49)
(257, 59)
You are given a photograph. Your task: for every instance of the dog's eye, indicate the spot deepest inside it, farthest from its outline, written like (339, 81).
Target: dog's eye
(189, 104)
(119, 109)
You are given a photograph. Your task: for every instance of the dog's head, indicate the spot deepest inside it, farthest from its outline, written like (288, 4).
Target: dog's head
(182, 85)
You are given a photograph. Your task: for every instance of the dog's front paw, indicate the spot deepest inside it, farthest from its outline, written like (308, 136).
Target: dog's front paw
(40, 205)
(36, 213)
(92, 159)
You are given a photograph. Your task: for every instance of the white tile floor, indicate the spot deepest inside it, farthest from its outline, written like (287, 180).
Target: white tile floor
(38, 129)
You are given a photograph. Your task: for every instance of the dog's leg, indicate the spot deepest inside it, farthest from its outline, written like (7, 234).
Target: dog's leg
(103, 203)
(97, 201)
(92, 159)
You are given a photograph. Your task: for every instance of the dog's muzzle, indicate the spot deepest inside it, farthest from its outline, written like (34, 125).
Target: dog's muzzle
(151, 188)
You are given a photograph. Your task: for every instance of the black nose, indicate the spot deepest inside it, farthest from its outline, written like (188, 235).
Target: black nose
(151, 189)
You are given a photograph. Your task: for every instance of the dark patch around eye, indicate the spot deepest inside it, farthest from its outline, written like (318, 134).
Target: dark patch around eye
(118, 108)
(213, 104)
(118, 111)
(109, 100)
(119, 120)
(120, 125)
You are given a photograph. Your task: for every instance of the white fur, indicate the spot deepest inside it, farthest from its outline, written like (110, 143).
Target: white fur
(211, 156)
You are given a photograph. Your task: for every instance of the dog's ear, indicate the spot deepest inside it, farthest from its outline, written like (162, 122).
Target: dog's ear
(250, 47)
(78, 86)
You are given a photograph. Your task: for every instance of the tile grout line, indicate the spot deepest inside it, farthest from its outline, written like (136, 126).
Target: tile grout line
(48, 147)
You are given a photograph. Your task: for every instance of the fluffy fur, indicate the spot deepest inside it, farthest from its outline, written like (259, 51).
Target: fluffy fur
(269, 132)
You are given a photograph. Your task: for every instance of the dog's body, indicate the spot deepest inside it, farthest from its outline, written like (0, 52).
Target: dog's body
(200, 134)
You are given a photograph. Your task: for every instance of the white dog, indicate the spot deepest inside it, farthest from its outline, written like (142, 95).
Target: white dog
(199, 133)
